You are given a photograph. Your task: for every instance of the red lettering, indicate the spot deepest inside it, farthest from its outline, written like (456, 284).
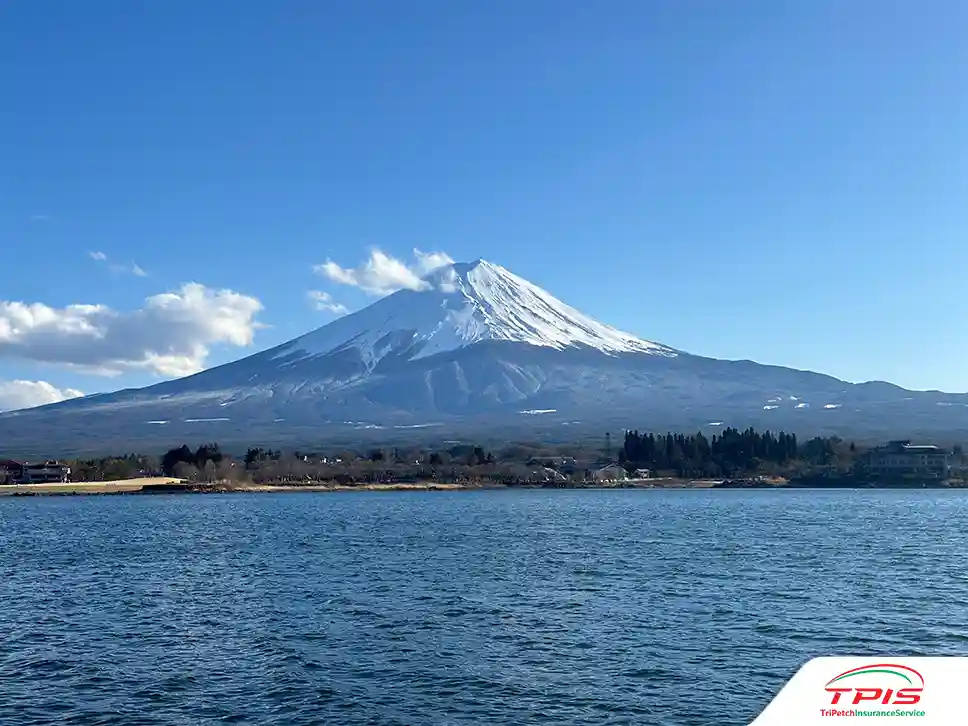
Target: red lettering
(907, 696)
(902, 697)
(837, 693)
(867, 694)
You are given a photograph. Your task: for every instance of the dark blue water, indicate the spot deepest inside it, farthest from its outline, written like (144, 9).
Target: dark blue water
(530, 607)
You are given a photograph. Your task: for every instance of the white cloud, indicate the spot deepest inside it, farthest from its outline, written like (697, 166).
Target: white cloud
(27, 394)
(170, 335)
(324, 302)
(130, 268)
(427, 262)
(382, 274)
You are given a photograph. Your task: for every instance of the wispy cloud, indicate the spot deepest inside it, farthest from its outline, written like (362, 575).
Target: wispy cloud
(324, 302)
(40, 218)
(427, 262)
(128, 268)
(381, 274)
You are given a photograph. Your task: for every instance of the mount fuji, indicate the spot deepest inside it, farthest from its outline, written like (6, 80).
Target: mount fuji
(476, 350)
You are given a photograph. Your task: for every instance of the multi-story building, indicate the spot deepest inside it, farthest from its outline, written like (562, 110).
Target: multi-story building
(47, 472)
(903, 459)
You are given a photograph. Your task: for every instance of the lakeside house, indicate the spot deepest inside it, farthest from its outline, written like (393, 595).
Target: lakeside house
(904, 459)
(47, 472)
(612, 472)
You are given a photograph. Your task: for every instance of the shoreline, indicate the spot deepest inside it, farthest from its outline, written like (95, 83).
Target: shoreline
(171, 485)
(121, 486)
(168, 485)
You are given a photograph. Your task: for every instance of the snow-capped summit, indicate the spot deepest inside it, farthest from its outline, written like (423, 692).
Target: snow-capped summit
(474, 349)
(461, 304)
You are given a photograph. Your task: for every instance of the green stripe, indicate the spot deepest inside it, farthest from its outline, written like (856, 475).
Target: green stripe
(872, 670)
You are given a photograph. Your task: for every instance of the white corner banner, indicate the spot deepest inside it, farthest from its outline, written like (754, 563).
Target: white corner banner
(922, 691)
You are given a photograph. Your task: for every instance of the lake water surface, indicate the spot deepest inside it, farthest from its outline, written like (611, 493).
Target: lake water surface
(488, 607)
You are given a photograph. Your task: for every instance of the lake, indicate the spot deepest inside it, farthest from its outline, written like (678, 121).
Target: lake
(478, 607)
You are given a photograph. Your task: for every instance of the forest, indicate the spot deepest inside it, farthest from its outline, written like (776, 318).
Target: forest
(730, 453)
(733, 453)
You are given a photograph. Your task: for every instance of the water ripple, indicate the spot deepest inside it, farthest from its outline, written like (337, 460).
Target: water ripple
(612, 607)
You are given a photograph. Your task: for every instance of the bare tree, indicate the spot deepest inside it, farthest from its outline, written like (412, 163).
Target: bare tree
(186, 471)
(229, 471)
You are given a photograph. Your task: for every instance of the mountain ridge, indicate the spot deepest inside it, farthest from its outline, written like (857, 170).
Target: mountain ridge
(476, 347)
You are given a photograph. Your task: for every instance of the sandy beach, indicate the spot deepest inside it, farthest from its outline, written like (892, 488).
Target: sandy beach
(87, 487)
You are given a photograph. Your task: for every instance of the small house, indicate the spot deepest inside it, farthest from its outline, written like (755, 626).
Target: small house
(612, 472)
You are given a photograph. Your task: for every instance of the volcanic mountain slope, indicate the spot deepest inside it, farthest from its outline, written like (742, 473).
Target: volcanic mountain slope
(477, 349)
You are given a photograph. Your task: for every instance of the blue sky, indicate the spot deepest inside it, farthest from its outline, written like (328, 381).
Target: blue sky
(778, 180)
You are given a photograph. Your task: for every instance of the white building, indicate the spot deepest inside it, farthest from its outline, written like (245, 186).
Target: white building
(612, 472)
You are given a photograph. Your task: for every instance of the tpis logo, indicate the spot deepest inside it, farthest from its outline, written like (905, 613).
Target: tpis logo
(889, 684)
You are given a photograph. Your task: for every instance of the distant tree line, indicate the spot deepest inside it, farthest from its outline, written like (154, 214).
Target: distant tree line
(730, 453)
(114, 468)
(206, 463)
(459, 463)
(183, 455)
